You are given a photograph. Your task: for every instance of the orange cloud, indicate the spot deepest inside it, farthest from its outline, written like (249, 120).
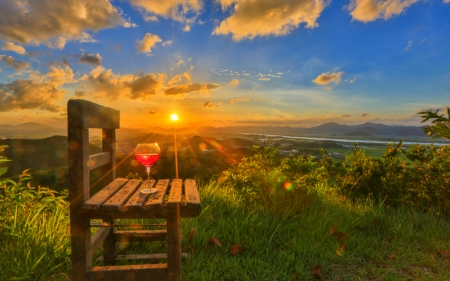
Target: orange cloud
(251, 18)
(16, 64)
(370, 10)
(326, 78)
(9, 46)
(188, 88)
(210, 105)
(54, 22)
(91, 59)
(146, 45)
(244, 99)
(233, 82)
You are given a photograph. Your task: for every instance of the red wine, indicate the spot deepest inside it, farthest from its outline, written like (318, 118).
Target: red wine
(147, 159)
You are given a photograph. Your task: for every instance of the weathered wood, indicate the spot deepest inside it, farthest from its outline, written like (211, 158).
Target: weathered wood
(128, 272)
(155, 257)
(98, 160)
(157, 200)
(136, 201)
(140, 235)
(86, 114)
(174, 240)
(116, 201)
(191, 193)
(175, 192)
(97, 240)
(96, 201)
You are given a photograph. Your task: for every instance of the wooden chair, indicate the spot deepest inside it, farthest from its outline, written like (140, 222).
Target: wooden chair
(119, 199)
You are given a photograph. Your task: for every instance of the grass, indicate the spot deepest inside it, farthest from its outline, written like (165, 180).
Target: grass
(382, 243)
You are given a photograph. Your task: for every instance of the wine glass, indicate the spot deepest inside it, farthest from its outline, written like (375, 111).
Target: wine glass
(147, 154)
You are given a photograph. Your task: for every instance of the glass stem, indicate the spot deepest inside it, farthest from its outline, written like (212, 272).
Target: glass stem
(148, 175)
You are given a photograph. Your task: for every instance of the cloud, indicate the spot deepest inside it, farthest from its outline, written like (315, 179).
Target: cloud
(365, 114)
(233, 82)
(345, 115)
(210, 105)
(184, 11)
(146, 45)
(38, 92)
(264, 78)
(409, 45)
(243, 99)
(328, 77)
(167, 43)
(370, 10)
(252, 18)
(10, 46)
(95, 60)
(105, 83)
(16, 64)
(188, 88)
(54, 22)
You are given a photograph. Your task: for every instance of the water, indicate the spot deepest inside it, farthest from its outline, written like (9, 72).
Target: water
(356, 141)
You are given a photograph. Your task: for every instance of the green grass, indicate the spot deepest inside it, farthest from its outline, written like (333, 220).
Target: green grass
(382, 243)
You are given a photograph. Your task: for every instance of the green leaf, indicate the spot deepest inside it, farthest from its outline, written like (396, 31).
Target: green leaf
(3, 170)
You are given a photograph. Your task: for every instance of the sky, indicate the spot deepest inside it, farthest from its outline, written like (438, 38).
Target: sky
(225, 62)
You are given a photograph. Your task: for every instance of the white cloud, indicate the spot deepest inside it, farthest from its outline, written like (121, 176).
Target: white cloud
(54, 22)
(370, 10)
(146, 45)
(167, 43)
(251, 18)
(10, 46)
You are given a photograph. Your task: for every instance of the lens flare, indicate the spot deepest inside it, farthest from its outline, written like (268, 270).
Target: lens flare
(288, 186)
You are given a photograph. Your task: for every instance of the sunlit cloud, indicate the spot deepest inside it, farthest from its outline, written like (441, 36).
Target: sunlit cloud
(10, 46)
(37, 92)
(184, 11)
(243, 99)
(365, 114)
(12, 62)
(208, 104)
(104, 83)
(95, 60)
(54, 22)
(233, 82)
(252, 18)
(329, 77)
(188, 88)
(146, 45)
(264, 78)
(370, 10)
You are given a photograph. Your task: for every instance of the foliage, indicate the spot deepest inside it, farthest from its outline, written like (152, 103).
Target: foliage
(3, 159)
(440, 126)
(417, 176)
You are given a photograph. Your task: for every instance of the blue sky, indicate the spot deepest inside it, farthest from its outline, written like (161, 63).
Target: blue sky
(225, 62)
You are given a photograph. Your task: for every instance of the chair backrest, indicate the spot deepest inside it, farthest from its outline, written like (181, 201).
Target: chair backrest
(83, 115)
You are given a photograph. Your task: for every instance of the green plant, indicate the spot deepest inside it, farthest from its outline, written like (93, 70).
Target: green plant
(440, 126)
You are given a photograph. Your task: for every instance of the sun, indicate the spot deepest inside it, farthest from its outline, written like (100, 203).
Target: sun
(174, 117)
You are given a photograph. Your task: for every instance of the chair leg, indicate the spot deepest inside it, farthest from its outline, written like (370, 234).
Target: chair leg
(109, 245)
(174, 242)
(80, 244)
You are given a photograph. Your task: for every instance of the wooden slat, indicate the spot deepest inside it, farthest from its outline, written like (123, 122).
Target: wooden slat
(175, 192)
(97, 240)
(86, 114)
(157, 257)
(98, 160)
(191, 193)
(96, 201)
(157, 200)
(128, 272)
(116, 201)
(135, 202)
(140, 235)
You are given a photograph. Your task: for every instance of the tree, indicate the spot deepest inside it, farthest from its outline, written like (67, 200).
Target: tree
(440, 125)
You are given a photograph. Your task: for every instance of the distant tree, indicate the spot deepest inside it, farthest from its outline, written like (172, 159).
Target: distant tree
(440, 125)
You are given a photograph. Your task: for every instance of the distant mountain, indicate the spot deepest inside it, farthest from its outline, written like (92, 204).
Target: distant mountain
(29, 130)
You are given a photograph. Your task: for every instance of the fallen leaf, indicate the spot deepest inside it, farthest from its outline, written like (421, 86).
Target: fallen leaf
(391, 257)
(316, 270)
(333, 230)
(236, 248)
(216, 241)
(342, 236)
(444, 254)
(191, 248)
(191, 235)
